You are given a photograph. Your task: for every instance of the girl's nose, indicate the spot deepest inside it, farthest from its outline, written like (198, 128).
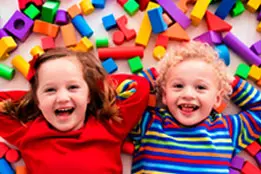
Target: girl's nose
(62, 96)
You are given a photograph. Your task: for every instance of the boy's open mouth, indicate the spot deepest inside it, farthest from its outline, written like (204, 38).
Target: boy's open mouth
(61, 112)
(188, 107)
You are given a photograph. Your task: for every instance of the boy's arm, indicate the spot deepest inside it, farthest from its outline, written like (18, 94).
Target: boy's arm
(245, 127)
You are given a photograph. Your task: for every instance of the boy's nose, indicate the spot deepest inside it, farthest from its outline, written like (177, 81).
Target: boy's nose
(188, 93)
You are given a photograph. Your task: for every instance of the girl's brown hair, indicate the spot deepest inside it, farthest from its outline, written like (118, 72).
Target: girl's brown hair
(102, 92)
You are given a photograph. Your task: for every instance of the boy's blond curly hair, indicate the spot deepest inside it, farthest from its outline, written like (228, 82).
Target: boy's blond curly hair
(194, 50)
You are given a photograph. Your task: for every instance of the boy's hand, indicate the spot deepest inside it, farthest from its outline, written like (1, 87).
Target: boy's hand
(1, 106)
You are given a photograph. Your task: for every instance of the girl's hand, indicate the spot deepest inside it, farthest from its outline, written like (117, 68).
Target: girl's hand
(1, 106)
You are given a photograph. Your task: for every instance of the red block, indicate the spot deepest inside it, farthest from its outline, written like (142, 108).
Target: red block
(143, 4)
(162, 40)
(253, 148)
(12, 155)
(122, 2)
(118, 37)
(47, 43)
(249, 168)
(23, 3)
(215, 23)
(128, 33)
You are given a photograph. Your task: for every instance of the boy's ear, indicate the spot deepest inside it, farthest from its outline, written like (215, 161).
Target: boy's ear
(163, 96)
(219, 98)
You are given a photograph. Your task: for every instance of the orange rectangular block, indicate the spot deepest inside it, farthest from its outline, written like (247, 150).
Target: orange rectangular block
(74, 10)
(221, 107)
(69, 35)
(45, 28)
(20, 170)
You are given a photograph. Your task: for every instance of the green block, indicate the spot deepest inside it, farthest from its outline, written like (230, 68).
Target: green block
(135, 64)
(238, 9)
(31, 11)
(102, 42)
(242, 70)
(49, 10)
(131, 7)
(6, 72)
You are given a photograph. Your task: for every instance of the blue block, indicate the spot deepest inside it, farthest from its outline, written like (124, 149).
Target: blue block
(82, 26)
(223, 53)
(109, 65)
(224, 8)
(5, 167)
(156, 20)
(109, 22)
(98, 3)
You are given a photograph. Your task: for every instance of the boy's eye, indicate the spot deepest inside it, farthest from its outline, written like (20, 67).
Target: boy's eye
(201, 87)
(178, 86)
(49, 90)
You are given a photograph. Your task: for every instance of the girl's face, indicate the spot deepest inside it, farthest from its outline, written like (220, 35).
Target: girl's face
(62, 93)
(191, 91)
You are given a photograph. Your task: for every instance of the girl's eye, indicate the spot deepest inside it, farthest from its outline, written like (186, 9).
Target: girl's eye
(50, 90)
(201, 87)
(178, 86)
(73, 87)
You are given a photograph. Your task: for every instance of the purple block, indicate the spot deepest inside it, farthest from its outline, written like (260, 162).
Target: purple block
(241, 49)
(237, 162)
(211, 37)
(259, 16)
(175, 13)
(258, 158)
(3, 33)
(256, 47)
(19, 25)
(233, 171)
(61, 17)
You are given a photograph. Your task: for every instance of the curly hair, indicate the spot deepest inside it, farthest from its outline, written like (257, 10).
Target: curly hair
(102, 89)
(194, 50)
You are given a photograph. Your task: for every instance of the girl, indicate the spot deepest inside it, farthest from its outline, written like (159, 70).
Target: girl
(70, 121)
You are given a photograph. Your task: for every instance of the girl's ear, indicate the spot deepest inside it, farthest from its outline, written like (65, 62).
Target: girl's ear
(219, 98)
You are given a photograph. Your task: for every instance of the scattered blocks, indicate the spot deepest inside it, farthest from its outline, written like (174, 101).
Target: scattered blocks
(253, 5)
(250, 168)
(199, 11)
(109, 65)
(45, 28)
(156, 20)
(74, 10)
(253, 148)
(61, 17)
(3, 33)
(162, 40)
(20, 170)
(102, 42)
(23, 3)
(259, 27)
(109, 22)
(86, 7)
(224, 8)
(69, 35)
(237, 162)
(135, 64)
(216, 24)
(159, 52)
(183, 4)
(256, 47)
(21, 65)
(82, 26)
(254, 73)
(32, 11)
(98, 3)
(19, 25)
(47, 43)
(122, 2)
(143, 4)
(118, 37)
(176, 32)
(238, 9)
(49, 10)
(131, 7)
(242, 70)
(83, 46)
(223, 53)
(7, 73)
(210, 37)
(36, 51)
(7, 44)
(128, 33)
(5, 168)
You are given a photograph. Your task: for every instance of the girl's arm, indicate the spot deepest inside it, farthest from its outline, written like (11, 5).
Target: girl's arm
(245, 127)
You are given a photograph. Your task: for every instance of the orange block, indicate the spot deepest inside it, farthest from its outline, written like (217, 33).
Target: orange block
(20, 170)
(74, 10)
(183, 4)
(152, 100)
(45, 28)
(176, 32)
(221, 107)
(69, 35)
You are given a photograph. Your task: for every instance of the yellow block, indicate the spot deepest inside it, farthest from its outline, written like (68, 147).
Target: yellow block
(21, 65)
(199, 11)
(143, 35)
(7, 44)
(254, 73)
(259, 27)
(158, 52)
(253, 5)
(86, 7)
(37, 50)
(83, 46)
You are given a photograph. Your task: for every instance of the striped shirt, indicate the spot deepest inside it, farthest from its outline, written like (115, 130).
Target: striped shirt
(162, 145)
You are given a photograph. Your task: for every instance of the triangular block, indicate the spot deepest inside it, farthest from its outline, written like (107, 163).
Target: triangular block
(176, 32)
(215, 23)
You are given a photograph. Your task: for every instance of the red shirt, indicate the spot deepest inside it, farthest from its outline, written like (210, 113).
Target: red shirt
(93, 149)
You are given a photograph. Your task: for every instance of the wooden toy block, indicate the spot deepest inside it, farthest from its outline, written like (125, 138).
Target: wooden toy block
(127, 148)
(224, 8)
(20, 170)
(7, 73)
(259, 82)
(47, 43)
(254, 73)
(86, 7)
(61, 17)
(122, 2)
(233, 171)
(12, 156)
(3, 33)
(183, 4)
(120, 52)
(238, 9)
(109, 65)
(36, 51)
(82, 26)
(23, 3)
(250, 168)
(143, 4)
(122, 24)
(7, 44)
(199, 11)
(237, 162)
(258, 158)
(98, 3)
(3, 147)
(19, 26)
(259, 16)
(74, 10)
(215, 23)
(241, 49)
(21, 65)
(102, 42)
(242, 70)
(144, 32)
(131, 7)
(69, 35)
(221, 107)
(45, 28)
(259, 27)
(135, 64)
(118, 37)
(167, 19)
(109, 22)
(223, 53)
(83, 46)
(49, 10)
(210, 37)
(256, 47)
(175, 13)
(253, 5)
(253, 148)
(156, 20)
(176, 32)
(5, 168)
(159, 52)
(162, 40)
(32, 11)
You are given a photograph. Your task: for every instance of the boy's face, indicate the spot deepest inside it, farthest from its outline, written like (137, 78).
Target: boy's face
(191, 91)
(62, 93)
